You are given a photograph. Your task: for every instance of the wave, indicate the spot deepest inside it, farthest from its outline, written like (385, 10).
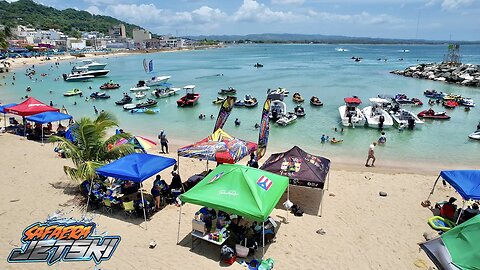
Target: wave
(341, 50)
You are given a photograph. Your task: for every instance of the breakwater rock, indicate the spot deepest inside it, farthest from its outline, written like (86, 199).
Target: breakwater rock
(463, 74)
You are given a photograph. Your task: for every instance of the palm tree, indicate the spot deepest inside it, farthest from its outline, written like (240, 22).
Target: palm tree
(91, 148)
(3, 42)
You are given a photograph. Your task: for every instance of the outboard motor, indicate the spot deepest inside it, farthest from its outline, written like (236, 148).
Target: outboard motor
(411, 123)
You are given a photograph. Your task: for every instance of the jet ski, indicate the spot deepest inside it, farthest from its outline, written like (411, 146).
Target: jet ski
(287, 119)
(475, 135)
(99, 95)
(125, 100)
(431, 114)
(299, 111)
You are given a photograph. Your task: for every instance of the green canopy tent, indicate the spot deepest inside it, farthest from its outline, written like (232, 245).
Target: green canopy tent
(237, 189)
(457, 248)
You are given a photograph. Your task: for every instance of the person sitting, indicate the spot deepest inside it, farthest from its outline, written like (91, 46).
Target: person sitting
(447, 209)
(382, 139)
(140, 204)
(130, 187)
(253, 161)
(61, 130)
(333, 140)
(207, 215)
(223, 219)
(470, 212)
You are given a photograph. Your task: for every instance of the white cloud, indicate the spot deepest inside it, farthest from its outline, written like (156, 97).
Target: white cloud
(361, 18)
(454, 4)
(95, 10)
(288, 2)
(431, 3)
(253, 11)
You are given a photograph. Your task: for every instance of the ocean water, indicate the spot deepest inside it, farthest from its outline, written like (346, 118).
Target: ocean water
(321, 70)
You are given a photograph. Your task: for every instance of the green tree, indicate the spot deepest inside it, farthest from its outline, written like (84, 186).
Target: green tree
(91, 149)
(3, 42)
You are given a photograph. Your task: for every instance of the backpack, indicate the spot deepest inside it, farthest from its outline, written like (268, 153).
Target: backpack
(296, 210)
(226, 253)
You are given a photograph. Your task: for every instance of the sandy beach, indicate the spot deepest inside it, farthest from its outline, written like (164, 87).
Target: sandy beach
(363, 230)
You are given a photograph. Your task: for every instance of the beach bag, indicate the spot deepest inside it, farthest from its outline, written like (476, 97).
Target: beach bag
(242, 251)
(296, 210)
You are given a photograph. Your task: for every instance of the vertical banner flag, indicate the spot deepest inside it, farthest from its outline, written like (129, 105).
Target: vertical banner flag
(224, 112)
(145, 65)
(150, 66)
(264, 130)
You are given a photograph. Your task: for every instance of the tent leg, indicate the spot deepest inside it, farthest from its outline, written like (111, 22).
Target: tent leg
(460, 214)
(88, 198)
(328, 180)
(178, 163)
(4, 121)
(42, 134)
(207, 165)
(263, 239)
(144, 211)
(24, 127)
(433, 188)
(179, 220)
(288, 198)
(321, 202)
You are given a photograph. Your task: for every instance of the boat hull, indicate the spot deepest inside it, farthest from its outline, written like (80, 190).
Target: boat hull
(373, 121)
(357, 120)
(188, 100)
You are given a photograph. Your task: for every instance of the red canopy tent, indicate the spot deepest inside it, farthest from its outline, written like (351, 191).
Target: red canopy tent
(29, 107)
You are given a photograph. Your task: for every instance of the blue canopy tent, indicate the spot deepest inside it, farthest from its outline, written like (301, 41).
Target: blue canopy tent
(136, 167)
(2, 110)
(465, 182)
(47, 117)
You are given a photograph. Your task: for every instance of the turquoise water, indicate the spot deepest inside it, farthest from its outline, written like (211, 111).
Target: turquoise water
(309, 69)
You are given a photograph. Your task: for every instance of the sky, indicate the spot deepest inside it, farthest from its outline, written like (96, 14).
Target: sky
(406, 19)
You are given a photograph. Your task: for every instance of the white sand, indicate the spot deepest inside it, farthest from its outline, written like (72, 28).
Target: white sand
(363, 230)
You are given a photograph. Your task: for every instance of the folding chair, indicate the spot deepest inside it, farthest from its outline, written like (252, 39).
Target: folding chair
(128, 208)
(107, 206)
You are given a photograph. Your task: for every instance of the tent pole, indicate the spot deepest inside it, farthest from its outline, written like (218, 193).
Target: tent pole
(328, 180)
(143, 204)
(4, 121)
(321, 202)
(24, 126)
(88, 198)
(179, 220)
(42, 134)
(263, 239)
(433, 188)
(461, 212)
(207, 165)
(288, 199)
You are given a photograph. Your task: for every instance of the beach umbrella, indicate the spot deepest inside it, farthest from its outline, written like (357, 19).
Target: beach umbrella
(457, 248)
(139, 141)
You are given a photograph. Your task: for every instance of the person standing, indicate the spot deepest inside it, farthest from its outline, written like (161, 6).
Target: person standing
(371, 155)
(163, 141)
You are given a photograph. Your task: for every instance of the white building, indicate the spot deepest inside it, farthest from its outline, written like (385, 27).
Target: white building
(76, 44)
(139, 35)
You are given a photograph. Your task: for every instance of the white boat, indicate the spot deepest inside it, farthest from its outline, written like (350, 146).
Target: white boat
(140, 95)
(154, 81)
(76, 77)
(350, 114)
(475, 135)
(287, 119)
(95, 72)
(129, 106)
(281, 91)
(376, 115)
(467, 102)
(165, 91)
(406, 119)
(89, 64)
(278, 108)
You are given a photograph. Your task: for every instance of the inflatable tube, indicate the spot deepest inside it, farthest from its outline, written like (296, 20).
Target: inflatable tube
(440, 223)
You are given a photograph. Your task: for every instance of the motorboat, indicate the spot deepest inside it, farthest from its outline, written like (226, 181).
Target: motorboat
(467, 102)
(89, 65)
(250, 101)
(376, 115)
(350, 114)
(165, 91)
(431, 114)
(475, 135)
(239, 103)
(149, 103)
(125, 100)
(258, 65)
(315, 101)
(299, 111)
(453, 97)
(286, 119)
(280, 91)
(406, 119)
(190, 98)
(140, 95)
(140, 86)
(277, 109)
(99, 95)
(77, 77)
(129, 106)
(219, 100)
(297, 98)
(450, 104)
(94, 73)
(430, 93)
(145, 110)
(402, 99)
(73, 92)
(109, 86)
(158, 80)
(228, 91)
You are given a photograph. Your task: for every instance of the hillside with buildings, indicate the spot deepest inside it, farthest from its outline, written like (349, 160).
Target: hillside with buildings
(34, 27)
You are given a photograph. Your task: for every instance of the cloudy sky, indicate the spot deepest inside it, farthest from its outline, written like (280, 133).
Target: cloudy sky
(425, 19)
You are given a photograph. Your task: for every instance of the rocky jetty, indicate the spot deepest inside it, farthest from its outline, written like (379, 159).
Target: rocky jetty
(463, 74)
